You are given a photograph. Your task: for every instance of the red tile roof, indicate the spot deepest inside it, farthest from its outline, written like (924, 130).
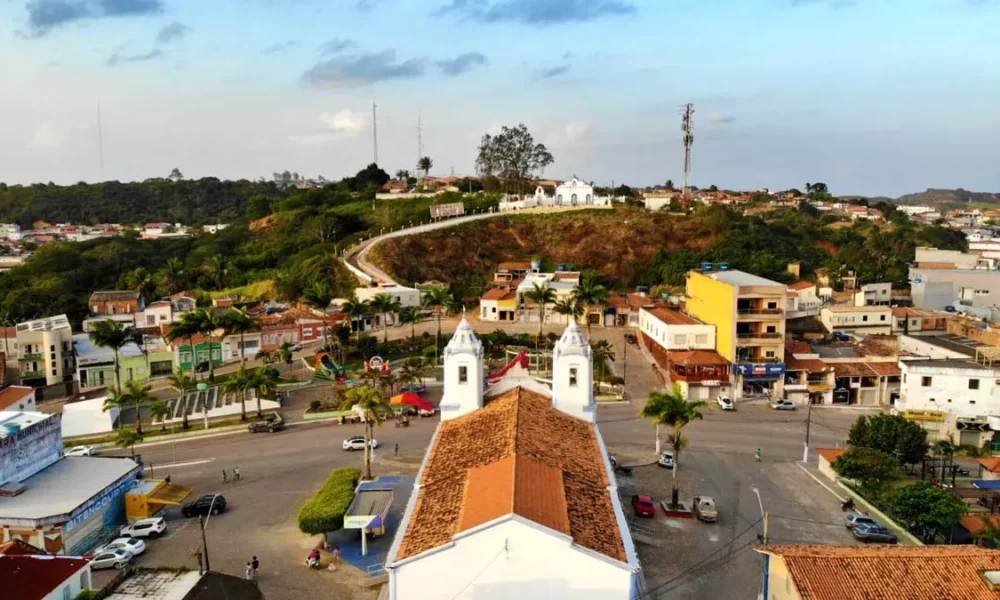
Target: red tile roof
(889, 572)
(13, 395)
(499, 294)
(797, 346)
(885, 369)
(33, 577)
(991, 464)
(673, 317)
(809, 365)
(801, 285)
(973, 523)
(696, 357)
(516, 455)
(935, 265)
(830, 454)
(19, 547)
(514, 266)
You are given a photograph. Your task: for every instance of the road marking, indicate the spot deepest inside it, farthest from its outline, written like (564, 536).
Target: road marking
(182, 464)
(817, 479)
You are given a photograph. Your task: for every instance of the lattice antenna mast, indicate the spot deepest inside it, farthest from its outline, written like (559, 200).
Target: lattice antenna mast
(375, 131)
(688, 139)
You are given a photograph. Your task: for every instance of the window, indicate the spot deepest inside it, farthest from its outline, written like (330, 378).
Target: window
(67, 593)
(463, 374)
(932, 399)
(772, 305)
(52, 348)
(701, 339)
(680, 340)
(881, 318)
(925, 382)
(973, 384)
(771, 329)
(949, 400)
(572, 377)
(913, 323)
(972, 401)
(864, 318)
(982, 292)
(307, 331)
(769, 354)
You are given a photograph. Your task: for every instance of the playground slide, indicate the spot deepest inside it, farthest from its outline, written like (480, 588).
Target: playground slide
(520, 359)
(326, 365)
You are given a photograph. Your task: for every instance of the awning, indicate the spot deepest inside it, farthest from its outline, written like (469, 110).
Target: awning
(170, 493)
(369, 509)
(411, 399)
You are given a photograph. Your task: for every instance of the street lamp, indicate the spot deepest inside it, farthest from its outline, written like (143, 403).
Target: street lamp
(203, 520)
(763, 515)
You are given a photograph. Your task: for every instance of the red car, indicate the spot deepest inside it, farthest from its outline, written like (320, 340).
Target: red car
(643, 506)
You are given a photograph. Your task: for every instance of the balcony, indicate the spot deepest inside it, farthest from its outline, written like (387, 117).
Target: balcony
(759, 314)
(32, 375)
(32, 356)
(755, 338)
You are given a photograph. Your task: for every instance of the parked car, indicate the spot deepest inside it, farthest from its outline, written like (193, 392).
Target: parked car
(151, 528)
(131, 545)
(81, 451)
(783, 405)
(704, 509)
(270, 425)
(643, 506)
(840, 336)
(207, 504)
(854, 519)
(201, 367)
(295, 347)
(613, 460)
(630, 337)
(726, 403)
(874, 533)
(117, 559)
(427, 413)
(950, 309)
(358, 443)
(666, 459)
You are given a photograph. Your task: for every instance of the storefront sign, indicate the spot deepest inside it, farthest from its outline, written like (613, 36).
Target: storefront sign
(924, 415)
(711, 382)
(358, 521)
(760, 369)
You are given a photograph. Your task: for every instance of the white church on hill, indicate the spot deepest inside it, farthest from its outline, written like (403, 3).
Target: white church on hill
(570, 193)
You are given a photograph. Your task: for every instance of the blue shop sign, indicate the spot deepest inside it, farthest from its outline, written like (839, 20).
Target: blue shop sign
(760, 369)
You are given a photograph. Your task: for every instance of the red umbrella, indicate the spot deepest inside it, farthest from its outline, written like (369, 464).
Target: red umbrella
(412, 399)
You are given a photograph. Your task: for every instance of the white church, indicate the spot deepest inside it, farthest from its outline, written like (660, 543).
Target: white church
(516, 497)
(569, 193)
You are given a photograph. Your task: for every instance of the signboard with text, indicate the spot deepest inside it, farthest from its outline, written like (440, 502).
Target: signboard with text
(453, 209)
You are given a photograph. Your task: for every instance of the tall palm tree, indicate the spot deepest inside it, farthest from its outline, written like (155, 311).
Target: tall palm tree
(128, 438)
(140, 280)
(217, 267)
(208, 324)
(602, 352)
(237, 385)
(412, 371)
(112, 334)
(263, 384)
(569, 307)
(356, 309)
(185, 329)
(946, 450)
(239, 321)
(159, 409)
(173, 275)
(283, 354)
(265, 357)
(385, 304)
(674, 410)
(318, 296)
(117, 398)
(540, 295)
(180, 380)
(410, 315)
(138, 394)
(437, 298)
(590, 293)
(425, 164)
(372, 407)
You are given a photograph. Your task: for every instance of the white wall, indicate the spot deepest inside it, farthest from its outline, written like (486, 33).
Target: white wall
(677, 337)
(512, 559)
(76, 583)
(872, 319)
(917, 346)
(406, 296)
(949, 391)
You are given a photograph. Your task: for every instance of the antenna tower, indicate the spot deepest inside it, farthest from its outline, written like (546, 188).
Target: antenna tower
(375, 131)
(688, 139)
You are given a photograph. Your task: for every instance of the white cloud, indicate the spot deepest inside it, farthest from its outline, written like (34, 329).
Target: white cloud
(337, 126)
(571, 133)
(717, 117)
(47, 136)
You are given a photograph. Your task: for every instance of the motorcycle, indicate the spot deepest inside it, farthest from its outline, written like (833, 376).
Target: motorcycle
(313, 562)
(403, 423)
(847, 505)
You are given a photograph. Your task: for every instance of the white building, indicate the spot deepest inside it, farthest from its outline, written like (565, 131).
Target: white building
(564, 283)
(570, 193)
(953, 397)
(17, 398)
(493, 513)
(10, 231)
(956, 259)
(674, 330)
(873, 294)
(914, 210)
(407, 296)
(857, 319)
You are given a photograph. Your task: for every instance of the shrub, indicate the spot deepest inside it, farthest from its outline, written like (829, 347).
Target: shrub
(429, 352)
(324, 512)
(617, 380)
(314, 405)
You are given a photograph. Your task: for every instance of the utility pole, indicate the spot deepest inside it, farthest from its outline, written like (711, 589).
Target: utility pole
(375, 131)
(805, 450)
(204, 544)
(688, 139)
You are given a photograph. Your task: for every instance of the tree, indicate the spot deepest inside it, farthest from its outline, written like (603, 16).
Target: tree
(402, 175)
(237, 385)
(208, 323)
(372, 407)
(893, 434)
(6, 321)
(437, 299)
(141, 281)
(137, 394)
(946, 450)
(371, 174)
(385, 304)
(128, 438)
(989, 535)
(590, 293)
(674, 410)
(318, 296)
(602, 351)
(569, 307)
(173, 275)
(670, 184)
(175, 175)
(239, 321)
(541, 295)
(356, 310)
(263, 384)
(412, 371)
(179, 380)
(411, 315)
(512, 155)
(425, 164)
(117, 399)
(159, 409)
(217, 267)
(112, 334)
(872, 469)
(927, 506)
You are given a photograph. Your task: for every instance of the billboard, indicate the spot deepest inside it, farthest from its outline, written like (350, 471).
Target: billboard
(454, 209)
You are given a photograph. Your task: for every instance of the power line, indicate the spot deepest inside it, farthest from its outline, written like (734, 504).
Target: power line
(713, 564)
(481, 571)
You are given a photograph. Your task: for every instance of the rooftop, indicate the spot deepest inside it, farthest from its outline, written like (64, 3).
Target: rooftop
(991, 464)
(14, 394)
(889, 572)
(516, 455)
(801, 285)
(514, 266)
(849, 309)
(949, 363)
(830, 454)
(955, 343)
(22, 419)
(46, 324)
(696, 357)
(35, 576)
(499, 294)
(60, 488)
(673, 317)
(115, 296)
(740, 278)
(89, 353)
(149, 584)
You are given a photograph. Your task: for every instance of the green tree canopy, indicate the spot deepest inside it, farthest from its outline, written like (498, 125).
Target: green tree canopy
(893, 434)
(872, 469)
(927, 505)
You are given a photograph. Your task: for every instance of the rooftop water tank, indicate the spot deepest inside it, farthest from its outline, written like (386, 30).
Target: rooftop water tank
(11, 428)
(723, 266)
(706, 266)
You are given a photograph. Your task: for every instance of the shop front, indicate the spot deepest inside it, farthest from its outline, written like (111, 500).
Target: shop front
(759, 380)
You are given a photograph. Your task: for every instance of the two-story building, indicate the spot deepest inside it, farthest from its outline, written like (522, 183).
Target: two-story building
(46, 351)
(873, 294)
(918, 320)
(748, 312)
(685, 348)
(118, 302)
(952, 397)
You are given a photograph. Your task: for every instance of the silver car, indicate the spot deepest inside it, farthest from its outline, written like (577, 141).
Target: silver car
(111, 559)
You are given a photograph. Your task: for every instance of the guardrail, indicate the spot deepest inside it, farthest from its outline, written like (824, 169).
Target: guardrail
(759, 311)
(757, 334)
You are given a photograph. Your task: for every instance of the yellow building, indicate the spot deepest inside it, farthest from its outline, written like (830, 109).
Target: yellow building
(749, 317)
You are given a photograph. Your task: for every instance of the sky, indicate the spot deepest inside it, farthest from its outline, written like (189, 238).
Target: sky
(874, 97)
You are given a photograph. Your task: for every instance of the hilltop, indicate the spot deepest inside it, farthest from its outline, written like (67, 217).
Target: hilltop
(933, 196)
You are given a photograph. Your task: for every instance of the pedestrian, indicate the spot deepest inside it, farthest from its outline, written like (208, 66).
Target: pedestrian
(256, 565)
(224, 480)
(397, 449)
(335, 559)
(236, 473)
(756, 455)
(249, 573)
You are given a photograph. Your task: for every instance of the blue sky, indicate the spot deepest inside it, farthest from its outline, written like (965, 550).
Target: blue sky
(871, 96)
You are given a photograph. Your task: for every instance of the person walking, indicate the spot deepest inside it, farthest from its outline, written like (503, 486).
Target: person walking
(224, 480)
(397, 450)
(756, 455)
(249, 573)
(236, 473)
(256, 565)
(335, 559)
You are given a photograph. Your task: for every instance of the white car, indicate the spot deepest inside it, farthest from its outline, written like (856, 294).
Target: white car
(726, 403)
(783, 405)
(358, 443)
(81, 451)
(151, 528)
(666, 459)
(117, 559)
(133, 546)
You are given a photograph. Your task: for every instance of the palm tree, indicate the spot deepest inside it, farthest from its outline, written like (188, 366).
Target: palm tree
(237, 385)
(946, 449)
(602, 352)
(402, 174)
(142, 282)
(540, 295)
(114, 335)
(239, 321)
(263, 384)
(425, 164)
(159, 409)
(410, 315)
(128, 438)
(412, 371)
(384, 304)
(569, 307)
(138, 394)
(343, 333)
(208, 324)
(356, 309)
(217, 268)
(283, 354)
(116, 399)
(186, 329)
(318, 296)
(173, 275)
(6, 321)
(674, 410)
(180, 380)
(590, 293)
(265, 357)
(437, 298)
(372, 407)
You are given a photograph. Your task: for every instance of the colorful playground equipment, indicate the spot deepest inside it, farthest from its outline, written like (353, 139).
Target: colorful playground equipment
(328, 369)
(377, 366)
(521, 360)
